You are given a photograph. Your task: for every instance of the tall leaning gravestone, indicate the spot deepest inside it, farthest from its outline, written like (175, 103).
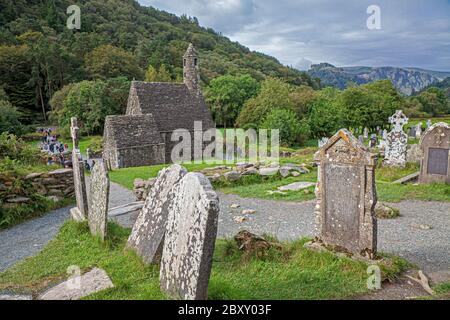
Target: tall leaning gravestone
(346, 195)
(435, 163)
(147, 236)
(80, 212)
(98, 200)
(190, 238)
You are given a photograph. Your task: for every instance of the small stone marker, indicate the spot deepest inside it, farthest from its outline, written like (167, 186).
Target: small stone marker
(322, 141)
(428, 123)
(419, 130)
(385, 133)
(295, 186)
(190, 238)
(79, 286)
(396, 142)
(366, 133)
(98, 200)
(147, 236)
(80, 212)
(435, 145)
(346, 195)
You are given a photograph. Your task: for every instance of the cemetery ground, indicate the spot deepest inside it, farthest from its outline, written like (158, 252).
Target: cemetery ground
(290, 273)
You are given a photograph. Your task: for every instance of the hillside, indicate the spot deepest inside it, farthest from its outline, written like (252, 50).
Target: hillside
(406, 80)
(444, 85)
(35, 65)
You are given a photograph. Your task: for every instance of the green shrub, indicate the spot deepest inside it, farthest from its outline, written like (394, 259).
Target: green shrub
(10, 118)
(15, 148)
(286, 121)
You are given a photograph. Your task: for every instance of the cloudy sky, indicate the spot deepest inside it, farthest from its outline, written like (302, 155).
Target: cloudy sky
(300, 32)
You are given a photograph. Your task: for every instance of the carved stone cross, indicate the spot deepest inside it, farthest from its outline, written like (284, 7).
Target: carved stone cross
(74, 132)
(398, 119)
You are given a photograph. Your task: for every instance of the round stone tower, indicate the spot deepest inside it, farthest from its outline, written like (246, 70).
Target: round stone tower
(191, 76)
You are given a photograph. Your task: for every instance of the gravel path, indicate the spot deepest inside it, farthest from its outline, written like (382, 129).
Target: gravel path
(429, 249)
(30, 237)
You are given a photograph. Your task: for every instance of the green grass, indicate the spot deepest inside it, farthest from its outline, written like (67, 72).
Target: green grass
(37, 208)
(391, 174)
(84, 142)
(290, 273)
(126, 176)
(415, 121)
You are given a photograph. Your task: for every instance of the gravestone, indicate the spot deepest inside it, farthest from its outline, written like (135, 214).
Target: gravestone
(366, 133)
(373, 140)
(346, 195)
(396, 142)
(190, 238)
(98, 200)
(80, 212)
(428, 123)
(361, 139)
(384, 135)
(322, 141)
(435, 145)
(147, 236)
(419, 130)
(412, 132)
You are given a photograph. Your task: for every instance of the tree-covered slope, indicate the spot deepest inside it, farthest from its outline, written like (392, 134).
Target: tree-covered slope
(39, 54)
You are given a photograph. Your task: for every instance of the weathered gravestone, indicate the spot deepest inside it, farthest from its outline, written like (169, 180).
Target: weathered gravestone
(384, 134)
(366, 133)
(98, 200)
(322, 141)
(419, 130)
(190, 237)
(373, 140)
(147, 236)
(428, 123)
(80, 212)
(435, 145)
(346, 195)
(396, 142)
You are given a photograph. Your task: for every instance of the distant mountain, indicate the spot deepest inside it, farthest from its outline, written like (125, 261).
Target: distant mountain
(444, 85)
(406, 80)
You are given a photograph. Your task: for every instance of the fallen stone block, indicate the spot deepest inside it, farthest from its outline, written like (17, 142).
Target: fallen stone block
(78, 287)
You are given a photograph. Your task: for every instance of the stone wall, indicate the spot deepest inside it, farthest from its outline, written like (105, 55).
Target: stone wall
(57, 183)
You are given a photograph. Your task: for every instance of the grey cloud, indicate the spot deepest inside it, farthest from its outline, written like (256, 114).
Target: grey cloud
(414, 32)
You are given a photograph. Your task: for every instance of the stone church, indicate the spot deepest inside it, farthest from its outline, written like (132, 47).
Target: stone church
(143, 135)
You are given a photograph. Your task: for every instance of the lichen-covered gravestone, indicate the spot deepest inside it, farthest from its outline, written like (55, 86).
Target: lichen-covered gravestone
(98, 200)
(396, 142)
(147, 236)
(435, 163)
(346, 195)
(190, 238)
(80, 212)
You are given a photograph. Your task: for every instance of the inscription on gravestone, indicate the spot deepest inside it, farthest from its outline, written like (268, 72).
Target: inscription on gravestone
(437, 161)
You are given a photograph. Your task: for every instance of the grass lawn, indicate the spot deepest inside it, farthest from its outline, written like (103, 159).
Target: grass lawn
(84, 142)
(415, 121)
(290, 273)
(126, 176)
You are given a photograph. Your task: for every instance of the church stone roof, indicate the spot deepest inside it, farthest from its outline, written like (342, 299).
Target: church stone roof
(172, 105)
(126, 131)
